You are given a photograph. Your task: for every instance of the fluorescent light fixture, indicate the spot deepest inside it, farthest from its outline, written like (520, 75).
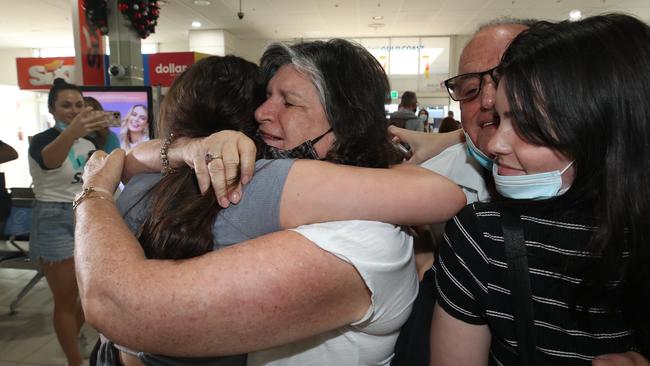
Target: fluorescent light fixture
(575, 15)
(196, 24)
(377, 17)
(202, 2)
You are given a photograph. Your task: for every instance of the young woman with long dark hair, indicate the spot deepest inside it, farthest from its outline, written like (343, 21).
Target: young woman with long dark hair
(572, 162)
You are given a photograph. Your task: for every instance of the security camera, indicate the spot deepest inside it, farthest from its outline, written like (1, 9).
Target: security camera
(117, 71)
(240, 15)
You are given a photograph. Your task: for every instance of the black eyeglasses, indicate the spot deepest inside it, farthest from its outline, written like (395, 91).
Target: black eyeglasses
(467, 86)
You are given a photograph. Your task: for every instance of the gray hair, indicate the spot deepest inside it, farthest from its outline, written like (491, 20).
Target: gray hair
(505, 20)
(279, 54)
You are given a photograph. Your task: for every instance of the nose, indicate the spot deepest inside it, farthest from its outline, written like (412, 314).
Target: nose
(488, 93)
(76, 109)
(498, 143)
(264, 112)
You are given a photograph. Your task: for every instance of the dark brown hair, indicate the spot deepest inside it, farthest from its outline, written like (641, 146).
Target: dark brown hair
(59, 85)
(216, 93)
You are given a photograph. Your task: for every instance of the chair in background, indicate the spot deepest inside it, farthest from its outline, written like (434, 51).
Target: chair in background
(16, 229)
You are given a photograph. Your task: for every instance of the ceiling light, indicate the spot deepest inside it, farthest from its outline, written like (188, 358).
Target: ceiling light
(377, 17)
(196, 24)
(202, 2)
(575, 15)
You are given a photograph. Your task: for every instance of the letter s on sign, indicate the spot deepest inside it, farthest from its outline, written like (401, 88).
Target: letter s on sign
(38, 75)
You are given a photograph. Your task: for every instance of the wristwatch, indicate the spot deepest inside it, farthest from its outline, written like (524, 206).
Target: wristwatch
(86, 193)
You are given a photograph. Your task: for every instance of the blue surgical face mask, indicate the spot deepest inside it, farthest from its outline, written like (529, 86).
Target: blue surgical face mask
(532, 186)
(477, 154)
(60, 125)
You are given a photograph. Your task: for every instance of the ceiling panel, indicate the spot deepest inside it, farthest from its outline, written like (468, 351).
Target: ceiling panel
(46, 23)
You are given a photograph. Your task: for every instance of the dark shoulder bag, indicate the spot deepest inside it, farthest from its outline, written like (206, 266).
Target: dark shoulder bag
(515, 247)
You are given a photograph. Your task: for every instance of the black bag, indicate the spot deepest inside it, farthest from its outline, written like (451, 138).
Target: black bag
(412, 346)
(515, 246)
(5, 199)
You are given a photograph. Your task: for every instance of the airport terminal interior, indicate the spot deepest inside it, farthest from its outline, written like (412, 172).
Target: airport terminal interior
(417, 42)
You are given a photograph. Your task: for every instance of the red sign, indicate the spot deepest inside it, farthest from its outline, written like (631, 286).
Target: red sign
(164, 67)
(39, 73)
(92, 48)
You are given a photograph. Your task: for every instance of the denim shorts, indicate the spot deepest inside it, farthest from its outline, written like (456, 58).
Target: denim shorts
(52, 236)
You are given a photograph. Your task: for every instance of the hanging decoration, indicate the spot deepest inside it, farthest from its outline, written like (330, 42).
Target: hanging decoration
(143, 14)
(96, 14)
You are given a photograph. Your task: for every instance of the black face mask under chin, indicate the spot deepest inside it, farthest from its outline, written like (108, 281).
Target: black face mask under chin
(305, 150)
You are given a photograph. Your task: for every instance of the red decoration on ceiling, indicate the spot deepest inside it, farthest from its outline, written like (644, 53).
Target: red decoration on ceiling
(143, 14)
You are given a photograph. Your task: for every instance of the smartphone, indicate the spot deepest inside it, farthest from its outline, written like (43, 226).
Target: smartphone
(114, 118)
(403, 148)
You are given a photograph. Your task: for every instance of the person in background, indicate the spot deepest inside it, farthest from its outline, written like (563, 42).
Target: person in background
(559, 163)
(405, 116)
(423, 116)
(56, 160)
(7, 153)
(135, 127)
(106, 138)
(448, 123)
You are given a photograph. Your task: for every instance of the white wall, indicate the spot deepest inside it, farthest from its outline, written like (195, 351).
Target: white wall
(250, 49)
(173, 47)
(8, 73)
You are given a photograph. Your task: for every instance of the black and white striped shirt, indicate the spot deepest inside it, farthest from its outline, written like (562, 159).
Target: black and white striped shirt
(472, 285)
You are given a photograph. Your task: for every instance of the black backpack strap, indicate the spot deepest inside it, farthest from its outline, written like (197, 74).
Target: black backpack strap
(515, 246)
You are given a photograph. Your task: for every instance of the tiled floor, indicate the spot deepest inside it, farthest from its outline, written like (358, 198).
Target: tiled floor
(27, 338)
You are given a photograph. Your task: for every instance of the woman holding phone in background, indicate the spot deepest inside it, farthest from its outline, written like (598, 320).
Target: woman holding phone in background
(57, 157)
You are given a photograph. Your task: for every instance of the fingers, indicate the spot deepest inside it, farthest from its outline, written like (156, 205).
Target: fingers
(247, 152)
(620, 359)
(396, 131)
(217, 174)
(202, 174)
(230, 157)
(104, 170)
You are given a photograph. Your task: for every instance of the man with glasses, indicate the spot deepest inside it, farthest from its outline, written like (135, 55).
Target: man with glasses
(475, 89)
(467, 162)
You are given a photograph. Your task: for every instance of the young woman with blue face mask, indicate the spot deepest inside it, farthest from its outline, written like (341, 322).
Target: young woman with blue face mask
(572, 162)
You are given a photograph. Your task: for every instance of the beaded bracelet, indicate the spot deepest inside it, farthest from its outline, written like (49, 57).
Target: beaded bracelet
(166, 169)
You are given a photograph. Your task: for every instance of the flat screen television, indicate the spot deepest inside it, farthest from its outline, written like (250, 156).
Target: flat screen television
(134, 103)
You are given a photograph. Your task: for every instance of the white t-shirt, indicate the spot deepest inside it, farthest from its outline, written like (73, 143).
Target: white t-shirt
(63, 183)
(383, 256)
(455, 164)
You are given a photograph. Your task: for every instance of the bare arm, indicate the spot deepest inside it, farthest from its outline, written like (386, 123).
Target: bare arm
(446, 349)
(7, 153)
(317, 191)
(265, 292)
(426, 145)
(237, 159)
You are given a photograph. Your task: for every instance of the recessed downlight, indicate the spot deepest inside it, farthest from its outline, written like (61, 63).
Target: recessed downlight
(196, 24)
(575, 15)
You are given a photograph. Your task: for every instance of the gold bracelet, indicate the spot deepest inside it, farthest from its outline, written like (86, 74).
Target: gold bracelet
(86, 194)
(165, 167)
